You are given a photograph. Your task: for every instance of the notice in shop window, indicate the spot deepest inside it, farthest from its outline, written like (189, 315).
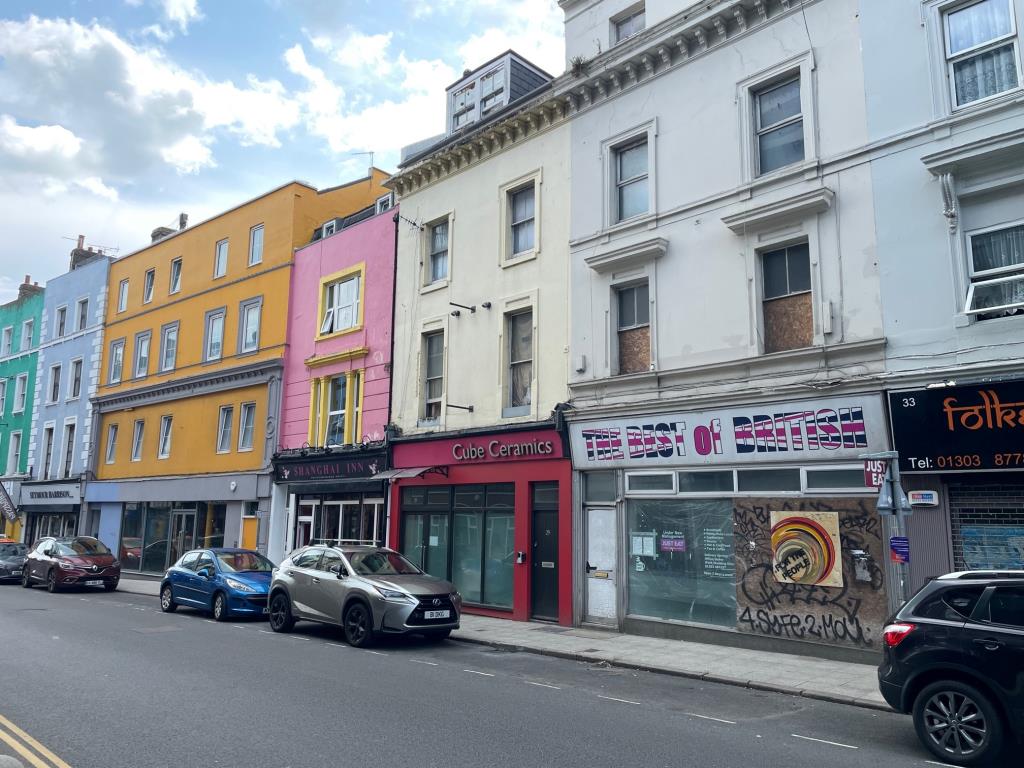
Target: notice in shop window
(673, 541)
(643, 544)
(718, 560)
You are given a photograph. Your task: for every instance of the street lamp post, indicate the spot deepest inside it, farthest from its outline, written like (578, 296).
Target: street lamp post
(893, 502)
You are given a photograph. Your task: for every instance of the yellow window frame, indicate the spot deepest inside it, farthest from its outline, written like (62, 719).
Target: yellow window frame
(344, 274)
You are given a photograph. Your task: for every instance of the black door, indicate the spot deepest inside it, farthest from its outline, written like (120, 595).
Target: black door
(544, 565)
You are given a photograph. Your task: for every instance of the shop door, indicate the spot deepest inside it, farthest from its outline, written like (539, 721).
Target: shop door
(544, 566)
(601, 565)
(183, 529)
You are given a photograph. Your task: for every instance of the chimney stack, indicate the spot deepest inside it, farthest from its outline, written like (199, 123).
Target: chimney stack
(81, 242)
(182, 221)
(28, 288)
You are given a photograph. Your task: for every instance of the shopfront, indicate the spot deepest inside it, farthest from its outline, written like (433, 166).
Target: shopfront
(151, 523)
(492, 512)
(962, 453)
(752, 520)
(50, 508)
(332, 495)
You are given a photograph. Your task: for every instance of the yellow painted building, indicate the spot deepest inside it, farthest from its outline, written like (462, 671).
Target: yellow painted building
(189, 396)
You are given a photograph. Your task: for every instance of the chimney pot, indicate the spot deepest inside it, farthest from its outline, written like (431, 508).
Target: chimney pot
(28, 279)
(182, 220)
(81, 242)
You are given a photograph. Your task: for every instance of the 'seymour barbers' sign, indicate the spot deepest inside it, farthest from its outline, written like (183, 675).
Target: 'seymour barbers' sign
(839, 428)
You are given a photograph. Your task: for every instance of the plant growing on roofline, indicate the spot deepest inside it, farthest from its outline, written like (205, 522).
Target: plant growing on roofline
(578, 66)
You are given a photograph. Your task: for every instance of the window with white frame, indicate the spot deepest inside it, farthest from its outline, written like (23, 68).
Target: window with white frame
(437, 252)
(47, 451)
(492, 90)
(14, 454)
(7, 341)
(249, 325)
(69, 449)
(53, 389)
(220, 259)
(224, 427)
(168, 347)
(60, 323)
(147, 286)
(137, 435)
(521, 219)
(116, 361)
(83, 313)
(337, 400)
(631, 174)
(779, 125)
(122, 296)
(256, 245)
(174, 284)
(328, 228)
(385, 203)
(787, 306)
(520, 359)
(996, 272)
(111, 452)
(341, 305)
(27, 328)
(3, 397)
(20, 393)
(628, 25)
(164, 445)
(633, 324)
(246, 426)
(142, 355)
(981, 50)
(213, 343)
(433, 374)
(75, 390)
(463, 106)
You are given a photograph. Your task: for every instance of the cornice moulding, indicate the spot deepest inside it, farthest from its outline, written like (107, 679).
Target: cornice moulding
(767, 215)
(628, 256)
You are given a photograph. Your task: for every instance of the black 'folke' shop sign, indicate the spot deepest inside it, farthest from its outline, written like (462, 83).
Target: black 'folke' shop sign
(959, 429)
(332, 466)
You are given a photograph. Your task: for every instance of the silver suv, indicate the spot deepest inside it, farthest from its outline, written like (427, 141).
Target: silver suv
(365, 590)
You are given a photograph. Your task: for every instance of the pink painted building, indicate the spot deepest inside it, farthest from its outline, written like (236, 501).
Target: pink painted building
(336, 385)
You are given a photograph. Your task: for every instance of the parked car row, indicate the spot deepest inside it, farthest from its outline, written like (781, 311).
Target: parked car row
(71, 561)
(367, 591)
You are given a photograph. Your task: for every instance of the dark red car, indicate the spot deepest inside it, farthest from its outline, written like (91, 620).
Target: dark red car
(80, 561)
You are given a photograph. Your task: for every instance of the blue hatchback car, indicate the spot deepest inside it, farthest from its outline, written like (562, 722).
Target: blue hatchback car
(226, 582)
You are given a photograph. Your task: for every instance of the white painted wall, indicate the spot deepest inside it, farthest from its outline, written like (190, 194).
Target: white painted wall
(475, 356)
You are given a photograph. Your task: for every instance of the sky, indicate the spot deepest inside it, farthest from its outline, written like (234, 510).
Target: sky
(117, 115)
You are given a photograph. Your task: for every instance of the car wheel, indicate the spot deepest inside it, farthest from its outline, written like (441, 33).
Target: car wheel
(358, 624)
(51, 582)
(167, 604)
(221, 612)
(26, 582)
(281, 619)
(958, 723)
(437, 635)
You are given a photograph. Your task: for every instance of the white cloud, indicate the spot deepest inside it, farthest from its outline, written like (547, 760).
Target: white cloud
(161, 34)
(189, 155)
(22, 140)
(362, 51)
(182, 12)
(532, 28)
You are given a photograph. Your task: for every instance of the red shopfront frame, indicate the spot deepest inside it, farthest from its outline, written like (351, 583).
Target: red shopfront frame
(520, 458)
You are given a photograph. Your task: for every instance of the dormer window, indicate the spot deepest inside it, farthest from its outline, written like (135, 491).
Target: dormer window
(328, 228)
(463, 105)
(628, 25)
(492, 90)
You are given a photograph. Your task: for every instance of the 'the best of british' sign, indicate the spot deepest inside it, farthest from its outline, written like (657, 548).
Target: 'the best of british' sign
(839, 428)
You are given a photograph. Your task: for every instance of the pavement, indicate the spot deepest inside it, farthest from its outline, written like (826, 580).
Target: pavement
(105, 680)
(809, 677)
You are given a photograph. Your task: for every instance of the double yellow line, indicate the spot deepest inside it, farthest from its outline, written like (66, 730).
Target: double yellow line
(28, 748)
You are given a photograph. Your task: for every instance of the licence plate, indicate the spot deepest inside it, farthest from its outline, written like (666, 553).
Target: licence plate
(94, 583)
(266, 610)
(15, 573)
(436, 614)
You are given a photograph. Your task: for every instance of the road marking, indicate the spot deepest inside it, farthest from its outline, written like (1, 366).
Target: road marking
(542, 685)
(612, 698)
(475, 672)
(709, 717)
(239, 626)
(377, 653)
(823, 741)
(945, 765)
(333, 645)
(267, 632)
(54, 760)
(428, 663)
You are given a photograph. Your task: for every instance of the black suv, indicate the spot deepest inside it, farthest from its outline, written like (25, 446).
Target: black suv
(954, 657)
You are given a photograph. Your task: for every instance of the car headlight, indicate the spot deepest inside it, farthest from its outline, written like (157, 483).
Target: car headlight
(66, 565)
(116, 564)
(393, 594)
(456, 597)
(240, 586)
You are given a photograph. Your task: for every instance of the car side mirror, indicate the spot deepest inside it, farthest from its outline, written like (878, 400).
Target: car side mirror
(338, 570)
(206, 573)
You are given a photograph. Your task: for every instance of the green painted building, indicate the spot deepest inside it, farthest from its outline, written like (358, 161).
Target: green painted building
(20, 329)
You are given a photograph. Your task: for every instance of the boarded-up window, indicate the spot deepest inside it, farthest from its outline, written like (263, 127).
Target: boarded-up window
(788, 313)
(633, 320)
